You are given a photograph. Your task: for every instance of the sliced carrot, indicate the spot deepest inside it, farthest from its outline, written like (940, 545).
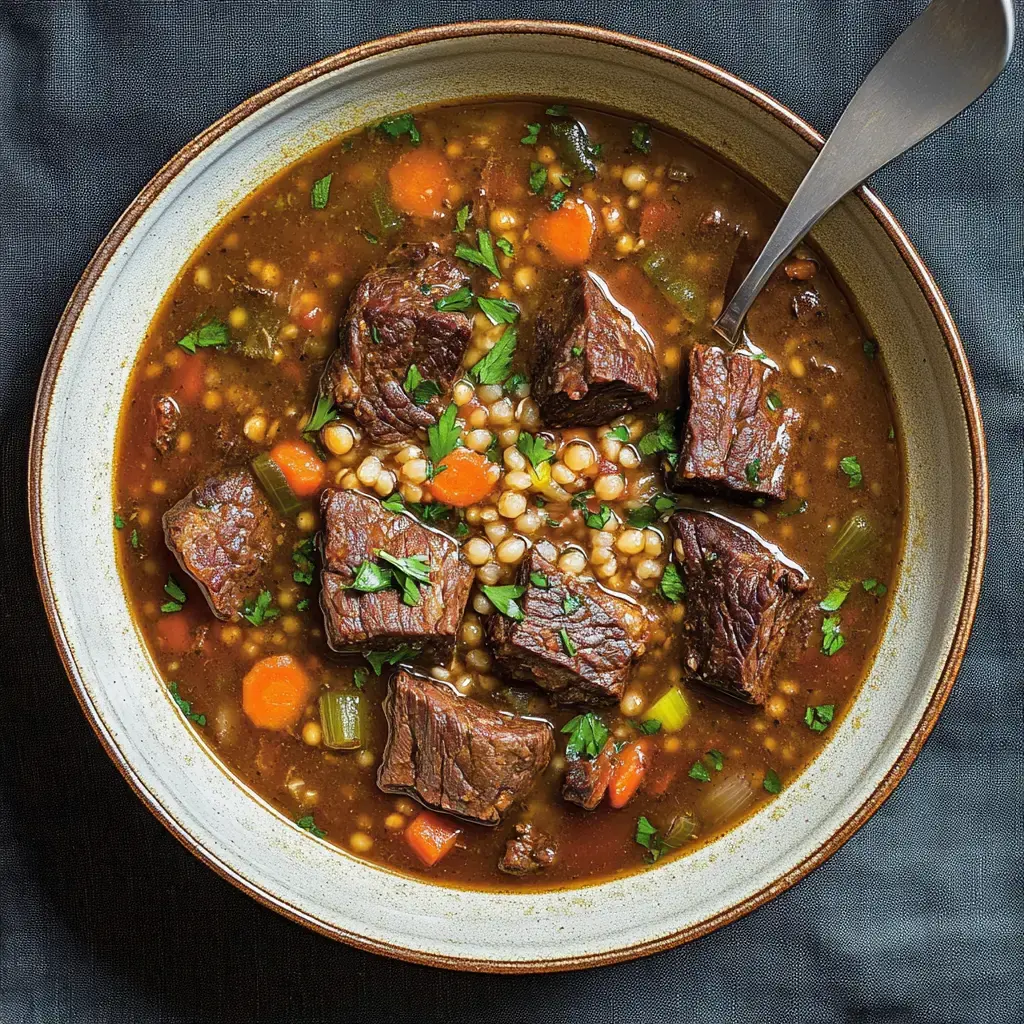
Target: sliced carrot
(467, 477)
(431, 837)
(275, 691)
(174, 633)
(190, 383)
(630, 769)
(300, 465)
(566, 233)
(419, 182)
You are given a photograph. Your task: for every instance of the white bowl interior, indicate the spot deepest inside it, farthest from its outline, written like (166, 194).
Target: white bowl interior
(240, 833)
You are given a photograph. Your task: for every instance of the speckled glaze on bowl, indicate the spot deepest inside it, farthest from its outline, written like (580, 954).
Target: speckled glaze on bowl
(236, 832)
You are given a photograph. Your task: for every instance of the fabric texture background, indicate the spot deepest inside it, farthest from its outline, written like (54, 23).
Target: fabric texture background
(105, 917)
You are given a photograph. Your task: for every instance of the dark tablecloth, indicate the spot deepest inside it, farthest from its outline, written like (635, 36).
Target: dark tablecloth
(104, 917)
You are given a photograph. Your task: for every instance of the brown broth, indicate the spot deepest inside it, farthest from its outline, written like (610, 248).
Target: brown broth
(278, 260)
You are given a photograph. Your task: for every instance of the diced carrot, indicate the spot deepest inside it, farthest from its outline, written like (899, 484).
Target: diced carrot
(567, 232)
(300, 465)
(308, 310)
(275, 691)
(659, 216)
(630, 769)
(419, 182)
(190, 379)
(467, 477)
(174, 633)
(431, 837)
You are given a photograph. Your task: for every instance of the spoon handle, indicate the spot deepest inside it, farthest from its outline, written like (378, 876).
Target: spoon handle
(945, 59)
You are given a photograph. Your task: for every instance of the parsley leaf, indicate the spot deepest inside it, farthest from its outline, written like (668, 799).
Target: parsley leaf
(378, 659)
(773, 401)
(619, 433)
(309, 825)
(873, 586)
(534, 448)
(570, 603)
(419, 390)
(851, 467)
(302, 605)
(652, 840)
(483, 255)
(324, 412)
(870, 347)
(303, 557)
(118, 521)
(516, 384)
(211, 335)
(567, 643)
(370, 578)
(459, 300)
(394, 502)
(557, 110)
(360, 677)
(672, 586)
(408, 572)
(772, 782)
(531, 136)
(538, 579)
(399, 125)
(831, 638)
(836, 596)
(649, 727)
(587, 736)
(443, 436)
(599, 519)
(259, 611)
(717, 759)
(494, 367)
(175, 593)
(641, 137)
(698, 772)
(752, 472)
(184, 706)
(505, 246)
(462, 216)
(655, 508)
(321, 192)
(818, 719)
(498, 311)
(538, 177)
(662, 438)
(557, 199)
(504, 599)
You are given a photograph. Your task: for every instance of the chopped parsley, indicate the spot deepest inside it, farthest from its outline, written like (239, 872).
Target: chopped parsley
(211, 335)
(587, 736)
(408, 573)
(309, 825)
(495, 366)
(493, 452)
(873, 586)
(369, 236)
(321, 192)
(818, 719)
(498, 311)
(835, 597)
(504, 599)
(534, 448)
(118, 521)
(399, 125)
(443, 436)
(870, 348)
(360, 677)
(672, 586)
(260, 610)
(516, 384)
(851, 467)
(567, 643)
(570, 604)
(652, 840)
(599, 519)
(557, 199)
(421, 391)
(184, 706)
(177, 596)
(394, 502)
(378, 659)
(640, 136)
(772, 783)
(303, 605)
(576, 351)
(557, 110)
(649, 727)
(538, 579)
(662, 438)
(531, 136)
(831, 638)
(717, 759)
(579, 500)
(753, 472)
(655, 508)
(698, 772)
(799, 510)
(505, 246)
(619, 433)
(459, 300)
(538, 177)
(303, 557)
(370, 578)
(324, 412)
(462, 216)
(482, 255)
(773, 401)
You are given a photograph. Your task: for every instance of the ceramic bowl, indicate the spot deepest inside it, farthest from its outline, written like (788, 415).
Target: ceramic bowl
(240, 835)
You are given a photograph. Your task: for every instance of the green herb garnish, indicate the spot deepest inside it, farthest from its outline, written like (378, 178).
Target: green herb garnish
(498, 311)
(640, 136)
(399, 125)
(831, 638)
(321, 192)
(567, 644)
(504, 599)
(184, 706)
(494, 367)
(587, 736)
(834, 599)
(459, 300)
(672, 586)
(211, 335)
(851, 467)
(309, 825)
(534, 448)
(772, 783)
(483, 255)
(818, 719)
(259, 610)
(175, 593)
(421, 391)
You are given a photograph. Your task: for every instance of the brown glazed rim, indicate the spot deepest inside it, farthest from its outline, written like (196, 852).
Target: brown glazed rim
(915, 265)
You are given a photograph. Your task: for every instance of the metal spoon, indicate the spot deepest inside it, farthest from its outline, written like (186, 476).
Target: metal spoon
(948, 56)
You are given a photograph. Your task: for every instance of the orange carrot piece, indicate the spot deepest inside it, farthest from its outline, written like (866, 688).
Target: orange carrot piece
(566, 233)
(190, 380)
(419, 182)
(467, 477)
(174, 633)
(275, 691)
(630, 769)
(300, 465)
(431, 837)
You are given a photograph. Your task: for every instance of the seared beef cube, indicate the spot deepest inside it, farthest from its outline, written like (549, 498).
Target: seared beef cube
(166, 416)
(734, 440)
(392, 323)
(455, 754)
(222, 533)
(741, 595)
(355, 528)
(592, 359)
(527, 851)
(586, 779)
(574, 640)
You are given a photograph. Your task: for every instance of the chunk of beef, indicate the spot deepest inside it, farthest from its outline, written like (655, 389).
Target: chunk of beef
(586, 779)
(355, 528)
(733, 441)
(166, 417)
(603, 636)
(222, 533)
(392, 322)
(742, 594)
(527, 851)
(457, 755)
(592, 359)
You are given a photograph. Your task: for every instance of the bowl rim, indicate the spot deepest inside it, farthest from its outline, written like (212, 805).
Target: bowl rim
(463, 30)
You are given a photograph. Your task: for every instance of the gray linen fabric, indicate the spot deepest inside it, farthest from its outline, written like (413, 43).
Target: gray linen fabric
(104, 917)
